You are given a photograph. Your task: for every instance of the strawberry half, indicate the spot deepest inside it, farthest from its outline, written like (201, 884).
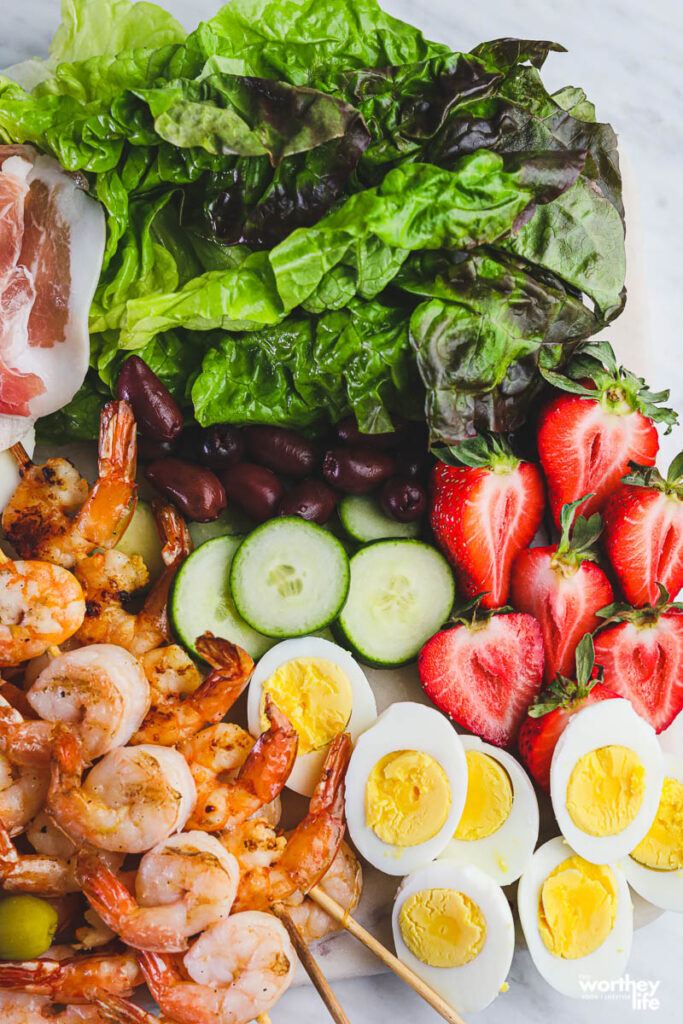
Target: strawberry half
(643, 534)
(641, 652)
(549, 716)
(486, 505)
(562, 587)
(587, 438)
(484, 672)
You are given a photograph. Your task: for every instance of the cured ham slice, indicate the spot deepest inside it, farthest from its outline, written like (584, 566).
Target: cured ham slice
(52, 237)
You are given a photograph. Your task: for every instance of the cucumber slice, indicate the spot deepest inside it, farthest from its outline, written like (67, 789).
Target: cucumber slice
(230, 523)
(290, 577)
(364, 520)
(201, 599)
(401, 593)
(142, 538)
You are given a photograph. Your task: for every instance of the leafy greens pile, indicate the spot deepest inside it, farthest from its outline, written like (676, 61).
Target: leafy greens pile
(313, 210)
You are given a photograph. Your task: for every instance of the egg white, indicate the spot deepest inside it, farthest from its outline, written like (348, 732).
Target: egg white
(404, 726)
(474, 985)
(307, 767)
(609, 960)
(504, 854)
(600, 725)
(661, 888)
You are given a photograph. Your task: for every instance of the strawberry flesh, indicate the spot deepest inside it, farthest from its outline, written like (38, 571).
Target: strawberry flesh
(585, 448)
(645, 665)
(485, 677)
(482, 518)
(563, 598)
(643, 539)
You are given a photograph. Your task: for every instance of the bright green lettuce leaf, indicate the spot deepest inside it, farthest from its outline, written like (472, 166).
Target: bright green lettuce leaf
(97, 28)
(416, 207)
(310, 371)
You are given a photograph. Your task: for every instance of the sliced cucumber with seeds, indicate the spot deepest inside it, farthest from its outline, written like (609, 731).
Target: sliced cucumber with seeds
(230, 523)
(401, 592)
(289, 577)
(364, 520)
(201, 599)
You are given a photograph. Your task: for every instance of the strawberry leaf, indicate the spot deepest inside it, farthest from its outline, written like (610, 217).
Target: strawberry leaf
(485, 451)
(563, 692)
(471, 614)
(643, 617)
(579, 534)
(649, 476)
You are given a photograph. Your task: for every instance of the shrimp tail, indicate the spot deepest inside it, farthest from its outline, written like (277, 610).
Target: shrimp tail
(27, 743)
(36, 976)
(110, 898)
(109, 508)
(266, 769)
(122, 1011)
(173, 532)
(225, 657)
(117, 453)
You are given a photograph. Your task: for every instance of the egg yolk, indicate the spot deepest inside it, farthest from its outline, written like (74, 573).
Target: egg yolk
(442, 927)
(315, 695)
(576, 909)
(662, 847)
(606, 790)
(407, 798)
(489, 797)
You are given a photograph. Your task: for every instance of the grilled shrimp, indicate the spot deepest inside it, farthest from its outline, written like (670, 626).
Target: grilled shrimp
(111, 580)
(21, 1008)
(313, 844)
(182, 886)
(239, 969)
(53, 516)
(175, 719)
(41, 605)
(228, 801)
(101, 691)
(51, 871)
(343, 881)
(171, 673)
(132, 799)
(23, 787)
(74, 980)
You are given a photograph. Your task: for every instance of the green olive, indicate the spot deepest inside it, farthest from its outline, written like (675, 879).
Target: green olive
(27, 925)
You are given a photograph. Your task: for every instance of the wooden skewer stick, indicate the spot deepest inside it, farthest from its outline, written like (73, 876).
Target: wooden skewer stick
(21, 455)
(311, 966)
(404, 972)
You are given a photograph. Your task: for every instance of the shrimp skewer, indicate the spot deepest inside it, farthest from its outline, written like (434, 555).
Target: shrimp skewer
(311, 847)
(343, 881)
(182, 886)
(51, 514)
(131, 800)
(176, 719)
(41, 605)
(75, 980)
(250, 949)
(111, 579)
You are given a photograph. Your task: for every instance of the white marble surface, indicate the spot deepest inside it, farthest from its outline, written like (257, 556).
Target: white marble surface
(628, 55)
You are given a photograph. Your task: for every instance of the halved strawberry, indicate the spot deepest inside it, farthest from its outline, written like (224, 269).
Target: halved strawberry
(586, 439)
(549, 715)
(643, 534)
(562, 587)
(485, 671)
(641, 652)
(486, 506)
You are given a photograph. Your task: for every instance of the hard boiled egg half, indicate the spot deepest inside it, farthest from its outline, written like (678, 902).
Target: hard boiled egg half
(453, 926)
(605, 780)
(498, 829)
(577, 918)
(655, 867)
(321, 690)
(405, 788)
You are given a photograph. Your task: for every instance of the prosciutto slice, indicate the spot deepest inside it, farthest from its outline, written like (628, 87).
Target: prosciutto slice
(52, 237)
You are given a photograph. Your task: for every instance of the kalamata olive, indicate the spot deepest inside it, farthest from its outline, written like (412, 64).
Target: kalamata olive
(414, 460)
(348, 433)
(156, 411)
(281, 449)
(403, 499)
(220, 446)
(196, 491)
(357, 470)
(311, 499)
(254, 489)
(150, 450)
(189, 443)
